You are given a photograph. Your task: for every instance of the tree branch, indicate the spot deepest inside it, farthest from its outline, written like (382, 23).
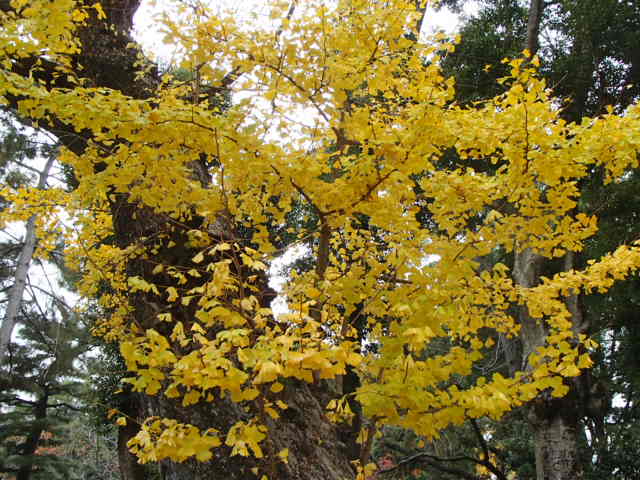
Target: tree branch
(485, 451)
(433, 461)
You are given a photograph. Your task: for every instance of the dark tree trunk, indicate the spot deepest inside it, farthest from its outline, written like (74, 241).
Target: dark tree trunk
(130, 469)
(30, 445)
(315, 450)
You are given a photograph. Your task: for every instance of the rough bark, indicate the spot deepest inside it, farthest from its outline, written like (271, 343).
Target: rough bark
(556, 446)
(555, 421)
(130, 469)
(20, 278)
(315, 451)
(526, 272)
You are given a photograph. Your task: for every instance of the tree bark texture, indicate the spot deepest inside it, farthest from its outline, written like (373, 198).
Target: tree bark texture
(556, 445)
(533, 26)
(315, 450)
(130, 469)
(555, 421)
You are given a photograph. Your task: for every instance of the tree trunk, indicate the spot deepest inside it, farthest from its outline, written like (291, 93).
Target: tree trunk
(31, 443)
(315, 451)
(555, 421)
(533, 26)
(130, 469)
(20, 281)
(526, 273)
(556, 440)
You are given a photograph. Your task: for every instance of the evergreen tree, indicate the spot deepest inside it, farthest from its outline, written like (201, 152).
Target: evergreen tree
(41, 393)
(42, 377)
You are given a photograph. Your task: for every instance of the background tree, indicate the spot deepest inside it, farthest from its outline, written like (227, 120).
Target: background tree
(41, 393)
(43, 388)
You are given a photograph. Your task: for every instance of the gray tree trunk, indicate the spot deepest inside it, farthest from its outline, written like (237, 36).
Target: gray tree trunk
(556, 448)
(533, 26)
(22, 269)
(555, 421)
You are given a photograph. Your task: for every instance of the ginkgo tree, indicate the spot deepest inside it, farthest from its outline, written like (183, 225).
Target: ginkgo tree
(342, 109)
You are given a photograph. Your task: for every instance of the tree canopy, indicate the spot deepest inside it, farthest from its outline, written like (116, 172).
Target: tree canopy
(339, 110)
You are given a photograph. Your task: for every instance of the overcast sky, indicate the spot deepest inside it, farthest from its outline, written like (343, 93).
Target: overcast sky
(147, 31)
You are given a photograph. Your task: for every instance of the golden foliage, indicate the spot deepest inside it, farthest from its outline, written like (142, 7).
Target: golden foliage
(339, 109)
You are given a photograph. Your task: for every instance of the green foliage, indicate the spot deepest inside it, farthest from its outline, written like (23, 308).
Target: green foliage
(498, 31)
(42, 391)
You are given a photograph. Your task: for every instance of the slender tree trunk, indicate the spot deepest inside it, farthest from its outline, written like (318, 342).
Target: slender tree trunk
(533, 26)
(24, 260)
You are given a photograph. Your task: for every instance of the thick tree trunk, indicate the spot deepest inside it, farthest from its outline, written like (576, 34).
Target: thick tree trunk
(555, 421)
(315, 450)
(130, 469)
(556, 440)
(526, 273)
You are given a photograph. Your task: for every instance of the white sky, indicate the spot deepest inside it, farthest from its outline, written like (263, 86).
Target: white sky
(148, 34)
